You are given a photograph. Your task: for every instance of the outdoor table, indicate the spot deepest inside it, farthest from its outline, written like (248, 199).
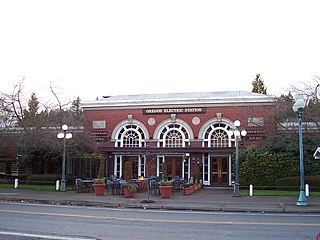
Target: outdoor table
(87, 184)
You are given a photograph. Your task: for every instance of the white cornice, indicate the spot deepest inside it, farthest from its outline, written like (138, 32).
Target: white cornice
(184, 99)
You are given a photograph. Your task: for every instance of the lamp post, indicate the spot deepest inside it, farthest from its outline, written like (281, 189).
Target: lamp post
(237, 133)
(298, 107)
(65, 135)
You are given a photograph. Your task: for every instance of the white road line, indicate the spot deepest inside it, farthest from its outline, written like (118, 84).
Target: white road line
(42, 236)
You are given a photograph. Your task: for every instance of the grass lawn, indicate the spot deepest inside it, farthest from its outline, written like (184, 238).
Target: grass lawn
(36, 187)
(275, 193)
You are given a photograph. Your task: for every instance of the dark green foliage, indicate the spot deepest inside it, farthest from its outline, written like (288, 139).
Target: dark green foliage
(295, 181)
(164, 171)
(101, 171)
(101, 168)
(46, 179)
(258, 85)
(258, 168)
(165, 183)
(280, 158)
(128, 171)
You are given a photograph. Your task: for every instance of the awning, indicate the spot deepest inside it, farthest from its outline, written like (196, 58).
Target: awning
(167, 151)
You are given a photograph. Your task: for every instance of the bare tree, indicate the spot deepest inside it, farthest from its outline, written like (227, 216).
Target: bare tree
(12, 106)
(34, 127)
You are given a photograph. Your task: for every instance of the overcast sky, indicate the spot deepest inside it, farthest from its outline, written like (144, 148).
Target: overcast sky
(95, 48)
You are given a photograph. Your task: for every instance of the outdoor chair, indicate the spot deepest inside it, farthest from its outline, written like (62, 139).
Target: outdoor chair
(79, 186)
(108, 186)
(154, 187)
(176, 184)
(116, 187)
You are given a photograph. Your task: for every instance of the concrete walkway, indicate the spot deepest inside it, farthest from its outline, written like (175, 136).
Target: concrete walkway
(208, 199)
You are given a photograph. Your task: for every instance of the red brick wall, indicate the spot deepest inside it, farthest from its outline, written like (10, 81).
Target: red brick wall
(242, 113)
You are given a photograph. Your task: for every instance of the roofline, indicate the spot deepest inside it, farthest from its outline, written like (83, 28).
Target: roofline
(205, 101)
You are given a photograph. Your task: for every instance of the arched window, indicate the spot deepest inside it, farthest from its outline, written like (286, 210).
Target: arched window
(216, 135)
(130, 135)
(173, 135)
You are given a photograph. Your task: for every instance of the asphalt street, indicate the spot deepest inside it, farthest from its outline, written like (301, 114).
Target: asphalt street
(38, 221)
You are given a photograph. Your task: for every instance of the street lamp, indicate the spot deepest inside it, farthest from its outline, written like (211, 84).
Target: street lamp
(298, 107)
(237, 133)
(65, 135)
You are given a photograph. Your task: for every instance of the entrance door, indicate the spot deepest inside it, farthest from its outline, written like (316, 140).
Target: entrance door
(174, 166)
(219, 171)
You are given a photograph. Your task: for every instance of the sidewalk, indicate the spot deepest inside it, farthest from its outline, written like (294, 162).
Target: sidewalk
(208, 199)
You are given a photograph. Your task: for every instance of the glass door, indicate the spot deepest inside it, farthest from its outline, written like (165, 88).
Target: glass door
(219, 171)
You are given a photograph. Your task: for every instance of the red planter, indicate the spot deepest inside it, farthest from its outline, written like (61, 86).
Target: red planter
(187, 191)
(165, 191)
(127, 193)
(99, 188)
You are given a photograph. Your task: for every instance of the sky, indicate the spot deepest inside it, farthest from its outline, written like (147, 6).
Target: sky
(101, 48)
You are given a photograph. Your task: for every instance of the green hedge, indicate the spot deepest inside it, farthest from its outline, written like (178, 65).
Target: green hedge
(313, 181)
(46, 178)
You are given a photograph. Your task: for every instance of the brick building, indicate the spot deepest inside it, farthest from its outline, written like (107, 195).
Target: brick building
(189, 131)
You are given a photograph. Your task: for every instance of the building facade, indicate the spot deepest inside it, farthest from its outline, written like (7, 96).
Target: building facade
(191, 132)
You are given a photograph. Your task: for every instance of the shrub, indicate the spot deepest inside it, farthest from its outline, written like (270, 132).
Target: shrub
(313, 181)
(164, 171)
(128, 171)
(43, 178)
(258, 168)
(165, 183)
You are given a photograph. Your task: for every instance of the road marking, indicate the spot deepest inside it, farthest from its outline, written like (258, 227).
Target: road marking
(42, 236)
(170, 211)
(163, 220)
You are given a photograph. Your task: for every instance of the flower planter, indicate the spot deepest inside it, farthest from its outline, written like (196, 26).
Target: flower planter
(99, 188)
(165, 191)
(187, 191)
(127, 193)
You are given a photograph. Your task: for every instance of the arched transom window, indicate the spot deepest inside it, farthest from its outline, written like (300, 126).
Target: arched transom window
(173, 135)
(130, 135)
(216, 135)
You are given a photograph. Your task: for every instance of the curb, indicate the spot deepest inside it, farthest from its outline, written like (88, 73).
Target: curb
(162, 206)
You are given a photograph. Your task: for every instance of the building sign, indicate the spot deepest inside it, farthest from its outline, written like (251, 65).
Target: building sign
(256, 122)
(98, 124)
(101, 136)
(174, 110)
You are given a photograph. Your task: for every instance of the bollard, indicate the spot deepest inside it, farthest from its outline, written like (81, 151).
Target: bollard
(307, 190)
(251, 190)
(16, 183)
(57, 185)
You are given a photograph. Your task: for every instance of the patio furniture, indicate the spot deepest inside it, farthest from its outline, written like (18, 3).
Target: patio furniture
(87, 184)
(116, 187)
(79, 186)
(154, 187)
(83, 185)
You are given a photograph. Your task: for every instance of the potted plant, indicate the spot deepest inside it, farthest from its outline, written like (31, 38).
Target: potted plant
(165, 185)
(198, 177)
(128, 188)
(99, 184)
(187, 189)
(195, 183)
(192, 187)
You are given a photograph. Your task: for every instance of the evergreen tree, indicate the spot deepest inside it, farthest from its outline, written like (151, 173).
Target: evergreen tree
(32, 116)
(76, 111)
(258, 85)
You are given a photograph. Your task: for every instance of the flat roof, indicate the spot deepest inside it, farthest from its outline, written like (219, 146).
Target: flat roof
(179, 99)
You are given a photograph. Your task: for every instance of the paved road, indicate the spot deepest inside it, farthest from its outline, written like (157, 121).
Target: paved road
(66, 222)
